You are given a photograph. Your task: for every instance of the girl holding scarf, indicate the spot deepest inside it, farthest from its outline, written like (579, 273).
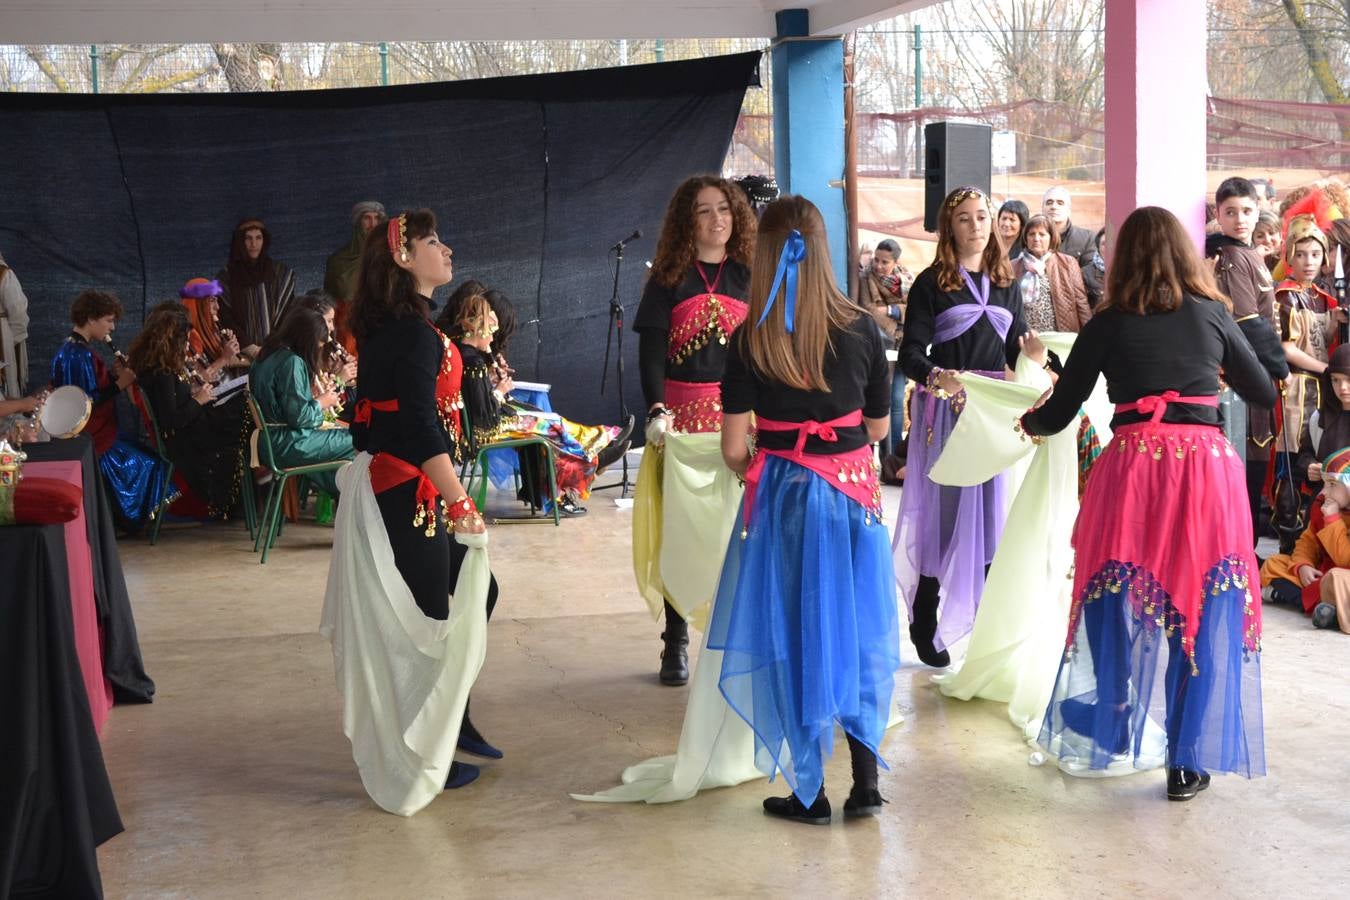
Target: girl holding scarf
(1165, 581)
(964, 315)
(409, 589)
(806, 615)
(691, 307)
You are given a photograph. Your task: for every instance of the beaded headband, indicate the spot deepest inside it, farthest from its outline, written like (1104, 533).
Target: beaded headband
(251, 224)
(961, 195)
(398, 237)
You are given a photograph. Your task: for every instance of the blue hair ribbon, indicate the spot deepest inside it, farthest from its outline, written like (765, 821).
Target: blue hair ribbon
(794, 251)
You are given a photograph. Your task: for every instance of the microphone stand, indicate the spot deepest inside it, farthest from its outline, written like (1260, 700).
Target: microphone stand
(616, 327)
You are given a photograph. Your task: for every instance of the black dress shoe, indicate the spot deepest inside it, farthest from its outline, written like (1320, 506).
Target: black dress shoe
(791, 808)
(611, 454)
(570, 509)
(922, 639)
(863, 802)
(460, 775)
(1183, 784)
(471, 741)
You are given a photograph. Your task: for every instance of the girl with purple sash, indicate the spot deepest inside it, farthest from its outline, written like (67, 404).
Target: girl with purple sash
(965, 315)
(805, 614)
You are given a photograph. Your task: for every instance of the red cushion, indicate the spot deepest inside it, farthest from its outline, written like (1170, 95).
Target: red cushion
(46, 501)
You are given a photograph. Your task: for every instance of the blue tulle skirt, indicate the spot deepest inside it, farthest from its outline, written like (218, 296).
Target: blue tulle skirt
(1127, 694)
(807, 621)
(135, 482)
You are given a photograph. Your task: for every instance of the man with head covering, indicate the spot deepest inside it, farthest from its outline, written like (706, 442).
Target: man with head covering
(257, 288)
(340, 274)
(1076, 242)
(14, 305)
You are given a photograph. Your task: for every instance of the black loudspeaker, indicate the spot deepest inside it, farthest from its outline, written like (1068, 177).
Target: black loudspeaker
(956, 154)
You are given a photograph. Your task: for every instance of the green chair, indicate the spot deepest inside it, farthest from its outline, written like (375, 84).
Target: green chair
(250, 506)
(476, 470)
(272, 510)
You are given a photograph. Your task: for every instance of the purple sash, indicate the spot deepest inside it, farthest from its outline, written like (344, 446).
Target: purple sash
(957, 320)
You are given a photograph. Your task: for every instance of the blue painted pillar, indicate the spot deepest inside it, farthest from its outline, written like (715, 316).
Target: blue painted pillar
(808, 125)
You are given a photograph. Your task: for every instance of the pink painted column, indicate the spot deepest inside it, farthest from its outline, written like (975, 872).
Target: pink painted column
(1155, 110)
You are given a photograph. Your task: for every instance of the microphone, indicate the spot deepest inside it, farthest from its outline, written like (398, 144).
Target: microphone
(637, 233)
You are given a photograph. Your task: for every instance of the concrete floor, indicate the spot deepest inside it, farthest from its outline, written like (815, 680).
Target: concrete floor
(238, 782)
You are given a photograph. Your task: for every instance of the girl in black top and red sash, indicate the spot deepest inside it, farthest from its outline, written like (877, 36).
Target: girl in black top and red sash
(403, 504)
(693, 303)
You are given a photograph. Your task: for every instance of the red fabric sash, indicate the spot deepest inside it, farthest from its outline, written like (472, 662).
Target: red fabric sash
(852, 473)
(365, 406)
(1156, 404)
(388, 471)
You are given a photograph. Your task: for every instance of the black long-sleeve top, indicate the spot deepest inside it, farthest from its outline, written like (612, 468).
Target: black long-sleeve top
(858, 376)
(979, 348)
(402, 361)
(1140, 356)
(652, 323)
(171, 399)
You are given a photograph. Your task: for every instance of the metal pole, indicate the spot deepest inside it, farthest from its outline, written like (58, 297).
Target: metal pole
(660, 50)
(93, 66)
(918, 66)
(384, 64)
(918, 100)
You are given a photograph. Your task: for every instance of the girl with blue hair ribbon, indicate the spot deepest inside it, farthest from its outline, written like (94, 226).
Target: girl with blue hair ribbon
(806, 613)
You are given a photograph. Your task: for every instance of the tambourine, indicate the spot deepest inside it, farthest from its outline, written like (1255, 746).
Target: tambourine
(66, 412)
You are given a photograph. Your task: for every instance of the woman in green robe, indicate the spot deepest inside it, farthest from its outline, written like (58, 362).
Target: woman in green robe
(284, 381)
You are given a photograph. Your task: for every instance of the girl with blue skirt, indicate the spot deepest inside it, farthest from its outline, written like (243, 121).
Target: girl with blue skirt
(1164, 629)
(806, 614)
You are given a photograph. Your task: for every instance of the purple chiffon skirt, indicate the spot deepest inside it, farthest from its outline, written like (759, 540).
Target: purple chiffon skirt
(947, 533)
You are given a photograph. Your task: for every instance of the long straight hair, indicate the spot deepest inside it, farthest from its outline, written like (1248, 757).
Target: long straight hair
(947, 261)
(301, 331)
(798, 359)
(1155, 266)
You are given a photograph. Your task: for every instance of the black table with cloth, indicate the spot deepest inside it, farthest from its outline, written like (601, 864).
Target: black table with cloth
(121, 648)
(56, 803)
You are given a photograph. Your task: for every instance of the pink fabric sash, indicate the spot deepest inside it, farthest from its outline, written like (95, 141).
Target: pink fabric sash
(694, 320)
(852, 473)
(696, 405)
(1156, 404)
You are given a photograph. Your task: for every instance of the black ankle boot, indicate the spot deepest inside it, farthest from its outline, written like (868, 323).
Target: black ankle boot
(789, 807)
(921, 636)
(675, 655)
(1183, 784)
(864, 799)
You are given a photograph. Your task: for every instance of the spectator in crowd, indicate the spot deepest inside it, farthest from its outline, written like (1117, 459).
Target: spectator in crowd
(205, 441)
(1094, 271)
(1054, 297)
(1211, 218)
(1012, 218)
(14, 305)
(882, 291)
(1265, 193)
(257, 288)
(295, 396)
(1267, 238)
(1057, 206)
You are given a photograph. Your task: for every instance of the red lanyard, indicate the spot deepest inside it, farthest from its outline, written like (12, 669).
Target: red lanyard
(711, 286)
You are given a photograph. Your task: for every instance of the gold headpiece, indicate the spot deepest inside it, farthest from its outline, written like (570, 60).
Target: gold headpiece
(961, 195)
(398, 237)
(1302, 228)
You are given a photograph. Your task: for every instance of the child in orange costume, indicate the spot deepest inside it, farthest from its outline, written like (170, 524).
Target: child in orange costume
(1317, 573)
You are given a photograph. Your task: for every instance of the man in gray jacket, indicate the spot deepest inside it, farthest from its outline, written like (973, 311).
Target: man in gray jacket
(1075, 241)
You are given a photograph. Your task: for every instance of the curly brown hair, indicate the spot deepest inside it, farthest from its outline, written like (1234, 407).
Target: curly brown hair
(162, 344)
(90, 305)
(675, 249)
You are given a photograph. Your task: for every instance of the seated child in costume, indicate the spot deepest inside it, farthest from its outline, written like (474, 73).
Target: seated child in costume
(1317, 573)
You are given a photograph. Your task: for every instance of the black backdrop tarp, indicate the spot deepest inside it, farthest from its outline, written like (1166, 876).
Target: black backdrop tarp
(532, 179)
